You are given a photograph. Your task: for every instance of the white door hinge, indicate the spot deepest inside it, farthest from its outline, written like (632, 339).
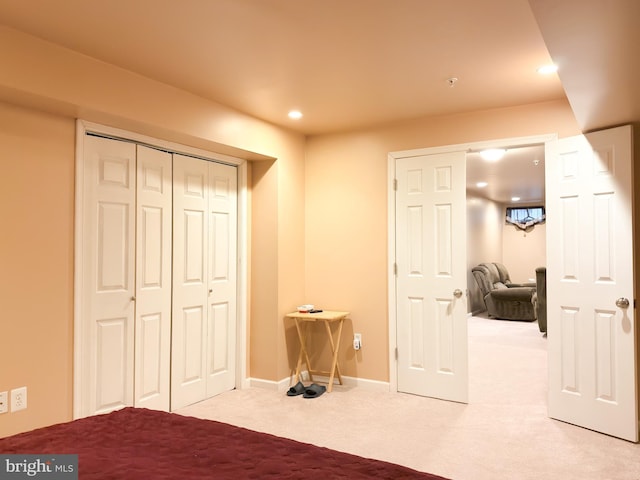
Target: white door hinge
(395, 184)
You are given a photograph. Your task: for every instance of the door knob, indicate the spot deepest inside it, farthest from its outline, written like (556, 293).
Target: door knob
(622, 303)
(133, 299)
(457, 293)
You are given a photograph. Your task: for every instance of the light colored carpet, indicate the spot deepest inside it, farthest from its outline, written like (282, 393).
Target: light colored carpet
(503, 433)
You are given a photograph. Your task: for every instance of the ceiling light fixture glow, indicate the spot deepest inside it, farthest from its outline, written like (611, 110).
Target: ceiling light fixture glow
(493, 154)
(481, 184)
(547, 69)
(295, 114)
(515, 199)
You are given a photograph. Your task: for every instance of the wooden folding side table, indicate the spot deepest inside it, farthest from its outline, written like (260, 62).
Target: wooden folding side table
(327, 317)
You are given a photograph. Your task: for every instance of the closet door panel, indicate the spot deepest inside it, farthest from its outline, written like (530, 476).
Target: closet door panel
(190, 291)
(153, 278)
(222, 280)
(193, 323)
(219, 327)
(108, 248)
(111, 367)
(195, 248)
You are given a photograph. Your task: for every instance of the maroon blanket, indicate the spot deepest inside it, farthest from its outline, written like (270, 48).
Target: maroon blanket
(136, 443)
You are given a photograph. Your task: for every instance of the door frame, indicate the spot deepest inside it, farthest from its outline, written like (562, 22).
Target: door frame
(391, 222)
(82, 128)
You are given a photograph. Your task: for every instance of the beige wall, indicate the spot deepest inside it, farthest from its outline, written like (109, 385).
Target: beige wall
(491, 240)
(485, 220)
(346, 213)
(37, 183)
(523, 252)
(36, 264)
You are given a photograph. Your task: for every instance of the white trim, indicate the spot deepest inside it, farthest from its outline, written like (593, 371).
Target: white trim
(348, 382)
(471, 146)
(391, 274)
(391, 219)
(78, 291)
(242, 380)
(89, 127)
(82, 128)
(351, 382)
(280, 386)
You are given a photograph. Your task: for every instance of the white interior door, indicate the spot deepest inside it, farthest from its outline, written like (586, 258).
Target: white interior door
(431, 276)
(153, 279)
(222, 278)
(592, 356)
(108, 248)
(190, 282)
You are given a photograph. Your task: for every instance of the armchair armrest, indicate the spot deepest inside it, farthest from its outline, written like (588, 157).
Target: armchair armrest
(522, 294)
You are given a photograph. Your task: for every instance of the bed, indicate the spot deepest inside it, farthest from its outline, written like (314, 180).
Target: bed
(137, 443)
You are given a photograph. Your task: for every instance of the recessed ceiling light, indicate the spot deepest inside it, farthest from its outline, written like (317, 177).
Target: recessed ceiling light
(515, 199)
(481, 184)
(547, 69)
(493, 154)
(295, 114)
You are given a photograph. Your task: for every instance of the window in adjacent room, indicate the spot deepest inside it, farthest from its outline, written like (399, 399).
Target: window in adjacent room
(525, 217)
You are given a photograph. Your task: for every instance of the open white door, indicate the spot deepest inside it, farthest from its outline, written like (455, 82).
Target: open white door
(590, 301)
(431, 276)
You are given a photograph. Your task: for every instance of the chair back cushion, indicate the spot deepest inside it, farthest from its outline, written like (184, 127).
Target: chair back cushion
(485, 277)
(494, 276)
(503, 273)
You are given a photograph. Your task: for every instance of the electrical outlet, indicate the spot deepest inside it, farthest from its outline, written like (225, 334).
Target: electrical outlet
(4, 402)
(18, 399)
(357, 341)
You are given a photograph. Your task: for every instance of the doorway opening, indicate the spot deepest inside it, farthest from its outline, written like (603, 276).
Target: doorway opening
(519, 147)
(514, 181)
(507, 358)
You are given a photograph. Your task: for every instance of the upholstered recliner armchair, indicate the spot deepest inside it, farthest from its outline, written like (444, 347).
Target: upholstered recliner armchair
(504, 299)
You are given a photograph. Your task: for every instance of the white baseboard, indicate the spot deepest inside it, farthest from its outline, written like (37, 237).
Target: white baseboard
(266, 384)
(284, 384)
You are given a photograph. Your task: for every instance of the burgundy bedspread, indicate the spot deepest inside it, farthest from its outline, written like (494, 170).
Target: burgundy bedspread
(136, 443)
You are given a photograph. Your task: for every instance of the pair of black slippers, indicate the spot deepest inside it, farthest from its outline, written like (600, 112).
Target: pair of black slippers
(312, 391)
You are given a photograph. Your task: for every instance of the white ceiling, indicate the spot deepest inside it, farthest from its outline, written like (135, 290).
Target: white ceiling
(519, 173)
(353, 64)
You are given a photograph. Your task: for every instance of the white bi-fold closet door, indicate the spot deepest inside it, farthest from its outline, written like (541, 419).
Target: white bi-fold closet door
(158, 247)
(204, 280)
